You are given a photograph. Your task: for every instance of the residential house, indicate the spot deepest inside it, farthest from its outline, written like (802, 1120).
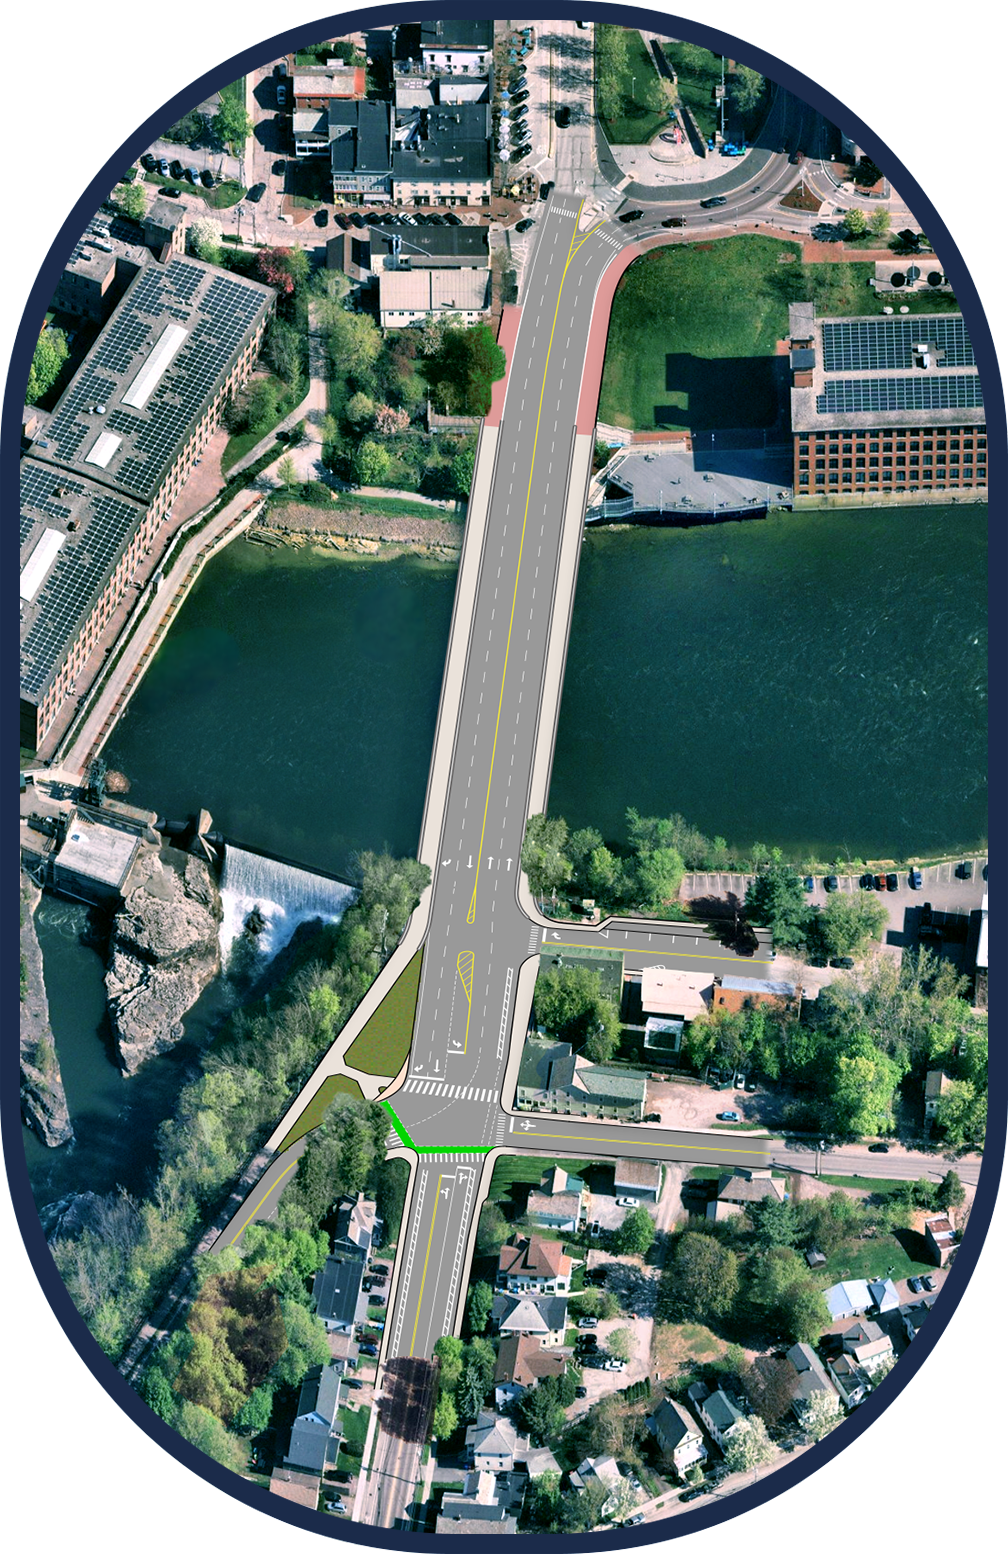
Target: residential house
(315, 1436)
(544, 1318)
(494, 1443)
(883, 1296)
(865, 1349)
(299, 1488)
(677, 1435)
(599, 1470)
(720, 1414)
(522, 1363)
(559, 1202)
(486, 1497)
(939, 1233)
(407, 296)
(670, 1000)
(457, 48)
(551, 1079)
(802, 1515)
(539, 1460)
(337, 1291)
(738, 1190)
(849, 1298)
(937, 1080)
(809, 1376)
(738, 993)
(946, 1355)
(333, 82)
(528, 1263)
(356, 1224)
(637, 1179)
(990, 1455)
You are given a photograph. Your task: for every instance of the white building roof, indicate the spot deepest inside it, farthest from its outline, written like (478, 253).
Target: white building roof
(667, 992)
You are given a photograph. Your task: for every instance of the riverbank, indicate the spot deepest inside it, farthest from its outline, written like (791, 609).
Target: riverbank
(358, 532)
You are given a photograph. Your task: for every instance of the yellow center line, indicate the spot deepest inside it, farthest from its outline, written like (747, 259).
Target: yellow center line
(259, 1205)
(423, 1281)
(471, 918)
(671, 1150)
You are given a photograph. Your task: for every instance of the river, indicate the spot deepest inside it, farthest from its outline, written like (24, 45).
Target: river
(816, 681)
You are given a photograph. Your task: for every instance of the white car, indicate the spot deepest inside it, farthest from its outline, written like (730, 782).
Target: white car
(627, 1203)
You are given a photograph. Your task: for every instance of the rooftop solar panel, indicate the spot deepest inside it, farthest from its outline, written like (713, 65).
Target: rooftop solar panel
(846, 396)
(888, 344)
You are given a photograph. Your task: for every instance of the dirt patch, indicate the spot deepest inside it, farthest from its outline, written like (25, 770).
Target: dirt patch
(679, 1346)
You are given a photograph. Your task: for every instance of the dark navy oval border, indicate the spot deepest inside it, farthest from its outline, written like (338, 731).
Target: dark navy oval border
(10, 1117)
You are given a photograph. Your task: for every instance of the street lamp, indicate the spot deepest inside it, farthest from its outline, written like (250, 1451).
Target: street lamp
(819, 1150)
(633, 83)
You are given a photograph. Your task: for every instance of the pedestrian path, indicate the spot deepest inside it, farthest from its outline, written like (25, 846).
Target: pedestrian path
(450, 1092)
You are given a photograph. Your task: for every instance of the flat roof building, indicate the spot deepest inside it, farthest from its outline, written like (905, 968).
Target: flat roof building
(360, 150)
(101, 477)
(444, 156)
(889, 404)
(407, 296)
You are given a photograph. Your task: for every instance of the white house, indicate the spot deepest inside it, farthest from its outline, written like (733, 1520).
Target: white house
(677, 1435)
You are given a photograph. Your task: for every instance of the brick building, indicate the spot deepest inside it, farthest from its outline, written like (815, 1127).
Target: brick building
(98, 484)
(885, 405)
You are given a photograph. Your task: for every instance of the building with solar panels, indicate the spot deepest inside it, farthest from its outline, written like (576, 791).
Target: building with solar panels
(929, 78)
(98, 483)
(885, 406)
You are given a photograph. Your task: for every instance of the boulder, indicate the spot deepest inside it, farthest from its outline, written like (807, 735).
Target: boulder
(43, 1100)
(163, 953)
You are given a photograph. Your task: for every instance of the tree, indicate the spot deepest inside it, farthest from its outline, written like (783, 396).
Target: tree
(610, 65)
(608, 1427)
(770, 1273)
(542, 856)
(283, 349)
(254, 1415)
(658, 875)
(449, 1351)
(961, 1114)
(389, 421)
(173, 28)
(705, 1277)
(951, 1192)
(286, 471)
(329, 289)
(51, 351)
(541, 1411)
(463, 467)
(570, 1004)
(770, 1385)
(462, 370)
(205, 239)
(542, 1502)
(482, 1356)
(879, 223)
(492, 1230)
(158, 1395)
(478, 1309)
(286, 269)
(372, 463)
(621, 1343)
(820, 1414)
(859, 1091)
(748, 1446)
(307, 1344)
(966, 1416)
(746, 88)
(262, 405)
(131, 200)
(855, 222)
(776, 899)
(803, 1312)
(635, 1235)
(231, 124)
(360, 409)
(445, 1417)
(204, 1431)
(848, 922)
(11, 187)
(775, 1222)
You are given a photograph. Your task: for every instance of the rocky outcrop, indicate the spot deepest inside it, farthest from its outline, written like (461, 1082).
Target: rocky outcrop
(164, 951)
(43, 1101)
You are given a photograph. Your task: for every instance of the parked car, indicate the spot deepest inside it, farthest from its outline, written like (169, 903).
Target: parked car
(371, 1349)
(353, 1381)
(892, 882)
(584, 1322)
(192, 173)
(148, 161)
(281, 95)
(652, 1116)
(916, 879)
(613, 1364)
(563, 116)
(728, 1116)
(520, 97)
(809, 883)
(914, 1286)
(207, 178)
(714, 199)
(928, 1282)
(831, 882)
(867, 882)
(546, 190)
(627, 1203)
(162, 166)
(634, 1521)
(926, 915)
(842, 962)
(674, 221)
(878, 1149)
(695, 1493)
(631, 215)
(526, 225)
(580, 1392)
(176, 168)
(452, 219)
(965, 870)
(595, 1227)
(256, 193)
(322, 217)
(171, 191)
(880, 882)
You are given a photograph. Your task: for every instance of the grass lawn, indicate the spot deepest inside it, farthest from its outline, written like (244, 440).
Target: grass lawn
(636, 123)
(382, 1045)
(677, 1346)
(518, 1169)
(895, 1257)
(879, 1184)
(222, 197)
(693, 333)
(242, 443)
(393, 507)
(335, 1084)
(696, 85)
(354, 1424)
(235, 90)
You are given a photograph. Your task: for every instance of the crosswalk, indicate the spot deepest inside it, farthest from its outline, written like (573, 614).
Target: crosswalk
(450, 1092)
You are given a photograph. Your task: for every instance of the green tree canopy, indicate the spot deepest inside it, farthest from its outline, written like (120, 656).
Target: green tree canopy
(462, 470)
(610, 65)
(776, 900)
(705, 1277)
(636, 1234)
(463, 368)
(231, 124)
(820, 1414)
(543, 856)
(206, 1432)
(131, 198)
(849, 922)
(51, 351)
(478, 1308)
(445, 1417)
(372, 463)
(571, 1005)
(746, 88)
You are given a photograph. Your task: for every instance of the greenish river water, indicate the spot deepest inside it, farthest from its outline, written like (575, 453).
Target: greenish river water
(816, 681)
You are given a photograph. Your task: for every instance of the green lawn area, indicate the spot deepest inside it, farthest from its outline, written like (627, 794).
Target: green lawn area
(354, 1424)
(222, 197)
(636, 123)
(242, 443)
(382, 1045)
(335, 1084)
(511, 1169)
(877, 1184)
(235, 90)
(393, 507)
(696, 85)
(895, 1257)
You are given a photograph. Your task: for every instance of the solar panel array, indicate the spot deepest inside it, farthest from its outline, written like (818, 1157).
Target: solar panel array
(78, 574)
(46, 494)
(845, 396)
(219, 311)
(887, 344)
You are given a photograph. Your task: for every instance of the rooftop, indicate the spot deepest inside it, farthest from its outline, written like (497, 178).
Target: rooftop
(337, 1287)
(766, 985)
(884, 370)
(522, 1359)
(534, 1257)
(421, 246)
(638, 1173)
(434, 291)
(360, 136)
(97, 851)
(456, 34)
(667, 992)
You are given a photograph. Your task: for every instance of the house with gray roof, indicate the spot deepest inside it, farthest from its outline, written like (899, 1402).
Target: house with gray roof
(544, 1317)
(552, 1079)
(494, 1444)
(559, 1201)
(315, 1435)
(719, 1413)
(914, 1316)
(809, 1376)
(356, 1224)
(486, 1497)
(737, 1190)
(599, 1470)
(360, 149)
(677, 1435)
(336, 1291)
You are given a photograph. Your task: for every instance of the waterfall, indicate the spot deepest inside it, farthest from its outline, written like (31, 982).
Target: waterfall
(284, 894)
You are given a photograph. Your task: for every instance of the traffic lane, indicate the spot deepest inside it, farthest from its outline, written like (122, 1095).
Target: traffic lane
(683, 951)
(435, 1239)
(585, 1137)
(262, 1202)
(896, 1164)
